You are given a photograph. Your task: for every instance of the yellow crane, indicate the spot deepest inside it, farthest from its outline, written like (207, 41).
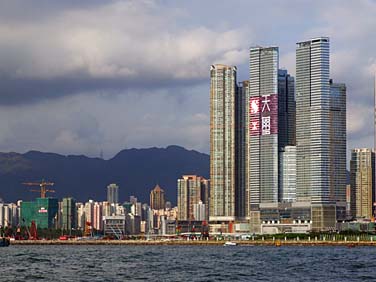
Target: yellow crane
(43, 187)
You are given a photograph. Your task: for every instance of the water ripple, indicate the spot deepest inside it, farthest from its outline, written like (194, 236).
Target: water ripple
(186, 263)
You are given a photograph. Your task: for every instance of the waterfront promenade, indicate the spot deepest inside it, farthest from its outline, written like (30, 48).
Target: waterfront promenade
(346, 243)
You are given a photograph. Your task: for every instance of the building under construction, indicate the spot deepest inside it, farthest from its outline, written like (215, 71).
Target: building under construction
(43, 211)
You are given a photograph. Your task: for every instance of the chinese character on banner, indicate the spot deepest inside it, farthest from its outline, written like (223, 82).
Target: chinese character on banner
(265, 103)
(255, 105)
(255, 125)
(265, 125)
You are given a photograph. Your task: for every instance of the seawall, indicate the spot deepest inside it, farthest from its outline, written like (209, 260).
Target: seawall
(194, 243)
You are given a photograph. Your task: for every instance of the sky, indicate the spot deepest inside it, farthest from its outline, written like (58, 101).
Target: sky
(85, 77)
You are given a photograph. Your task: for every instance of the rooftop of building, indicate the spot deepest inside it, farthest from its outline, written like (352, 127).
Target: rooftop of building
(222, 66)
(267, 48)
(313, 40)
(158, 188)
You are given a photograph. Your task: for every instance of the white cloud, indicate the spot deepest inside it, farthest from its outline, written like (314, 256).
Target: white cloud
(132, 40)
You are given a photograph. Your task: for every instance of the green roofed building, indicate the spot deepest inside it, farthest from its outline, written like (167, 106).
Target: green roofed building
(43, 211)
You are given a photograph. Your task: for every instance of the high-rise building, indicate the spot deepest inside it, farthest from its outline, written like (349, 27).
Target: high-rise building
(89, 212)
(286, 137)
(80, 215)
(97, 216)
(113, 193)
(263, 135)
(374, 148)
(9, 215)
(348, 201)
(136, 209)
(191, 190)
(337, 149)
(286, 110)
(287, 176)
(69, 214)
(222, 143)
(362, 177)
(313, 131)
(157, 198)
(199, 211)
(241, 149)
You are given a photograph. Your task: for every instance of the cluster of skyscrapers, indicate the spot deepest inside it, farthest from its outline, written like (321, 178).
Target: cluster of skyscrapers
(277, 162)
(278, 144)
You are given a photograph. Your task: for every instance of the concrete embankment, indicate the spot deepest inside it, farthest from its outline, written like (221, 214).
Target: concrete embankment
(194, 243)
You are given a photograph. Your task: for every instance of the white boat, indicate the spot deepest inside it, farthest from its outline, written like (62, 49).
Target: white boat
(229, 244)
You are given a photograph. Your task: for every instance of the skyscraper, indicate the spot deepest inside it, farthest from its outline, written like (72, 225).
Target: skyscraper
(374, 148)
(241, 151)
(263, 136)
(192, 190)
(337, 149)
(286, 137)
(222, 143)
(286, 110)
(113, 193)
(362, 175)
(157, 198)
(312, 131)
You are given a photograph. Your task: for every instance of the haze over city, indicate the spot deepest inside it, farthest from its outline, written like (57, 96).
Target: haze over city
(78, 78)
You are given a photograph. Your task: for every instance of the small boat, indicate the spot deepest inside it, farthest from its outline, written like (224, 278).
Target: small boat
(4, 242)
(230, 244)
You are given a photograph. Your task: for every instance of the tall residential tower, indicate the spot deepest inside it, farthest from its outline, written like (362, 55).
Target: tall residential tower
(192, 190)
(222, 143)
(113, 193)
(157, 198)
(362, 183)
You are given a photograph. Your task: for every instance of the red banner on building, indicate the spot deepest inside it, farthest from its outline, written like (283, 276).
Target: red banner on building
(263, 115)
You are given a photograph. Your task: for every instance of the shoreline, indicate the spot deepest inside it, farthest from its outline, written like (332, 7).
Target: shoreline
(191, 243)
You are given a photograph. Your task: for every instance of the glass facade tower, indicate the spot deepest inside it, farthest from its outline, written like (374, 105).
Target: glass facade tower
(263, 118)
(241, 151)
(263, 131)
(313, 132)
(337, 149)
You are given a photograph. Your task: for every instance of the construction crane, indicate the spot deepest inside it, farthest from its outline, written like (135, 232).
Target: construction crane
(43, 187)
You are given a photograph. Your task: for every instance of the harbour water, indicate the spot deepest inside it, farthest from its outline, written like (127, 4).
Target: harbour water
(187, 263)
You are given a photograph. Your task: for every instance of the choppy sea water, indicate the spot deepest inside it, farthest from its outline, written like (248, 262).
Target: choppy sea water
(187, 263)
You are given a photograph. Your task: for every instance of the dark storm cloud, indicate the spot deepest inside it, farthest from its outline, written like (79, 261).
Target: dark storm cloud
(25, 91)
(17, 11)
(80, 76)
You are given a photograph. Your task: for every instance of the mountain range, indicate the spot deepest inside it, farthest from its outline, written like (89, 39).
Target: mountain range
(136, 171)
